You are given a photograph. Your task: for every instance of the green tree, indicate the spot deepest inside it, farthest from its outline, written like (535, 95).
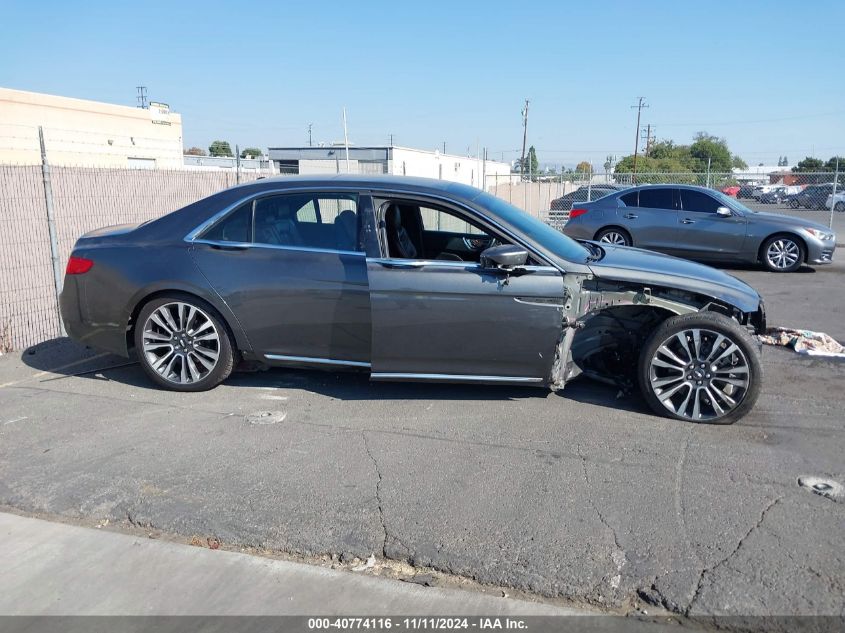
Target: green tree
(252, 152)
(831, 164)
(220, 148)
(532, 165)
(738, 163)
(196, 151)
(584, 167)
(708, 148)
(808, 164)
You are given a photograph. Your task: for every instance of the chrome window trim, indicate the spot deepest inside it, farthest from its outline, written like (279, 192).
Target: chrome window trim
(371, 189)
(279, 247)
(456, 377)
(317, 361)
(192, 236)
(448, 263)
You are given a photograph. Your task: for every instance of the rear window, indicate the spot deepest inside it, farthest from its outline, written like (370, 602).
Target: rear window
(656, 198)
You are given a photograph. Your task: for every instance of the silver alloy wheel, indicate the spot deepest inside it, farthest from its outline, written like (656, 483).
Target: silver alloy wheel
(181, 342)
(699, 374)
(614, 237)
(783, 253)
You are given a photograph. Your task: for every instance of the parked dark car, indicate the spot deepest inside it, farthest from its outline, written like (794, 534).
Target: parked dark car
(583, 194)
(745, 191)
(775, 196)
(410, 279)
(702, 224)
(811, 197)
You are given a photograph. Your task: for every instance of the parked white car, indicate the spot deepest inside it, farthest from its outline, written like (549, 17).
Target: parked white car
(836, 202)
(759, 190)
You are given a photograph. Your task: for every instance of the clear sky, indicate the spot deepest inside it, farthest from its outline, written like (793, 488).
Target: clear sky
(768, 76)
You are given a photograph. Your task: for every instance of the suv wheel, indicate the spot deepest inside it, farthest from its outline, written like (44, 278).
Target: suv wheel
(701, 367)
(182, 344)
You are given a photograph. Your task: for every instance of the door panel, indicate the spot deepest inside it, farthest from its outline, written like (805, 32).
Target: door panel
(456, 319)
(653, 223)
(702, 233)
(293, 302)
(467, 246)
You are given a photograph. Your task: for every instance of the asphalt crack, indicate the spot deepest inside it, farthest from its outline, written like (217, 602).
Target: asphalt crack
(709, 570)
(618, 557)
(378, 494)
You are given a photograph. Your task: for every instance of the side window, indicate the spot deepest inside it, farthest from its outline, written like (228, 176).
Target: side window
(660, 198)
(235, 227)
(630, 199)
(692, 200)
(437, 220)
(327, 221)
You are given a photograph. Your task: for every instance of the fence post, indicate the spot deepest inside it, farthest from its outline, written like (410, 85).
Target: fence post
(833, 193)
(237, 165)
(51, 227)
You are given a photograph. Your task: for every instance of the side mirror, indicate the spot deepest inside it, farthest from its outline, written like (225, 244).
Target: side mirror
(724, 212)
(506, 256)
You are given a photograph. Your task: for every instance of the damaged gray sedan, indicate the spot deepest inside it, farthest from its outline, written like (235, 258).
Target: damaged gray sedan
(410, 280)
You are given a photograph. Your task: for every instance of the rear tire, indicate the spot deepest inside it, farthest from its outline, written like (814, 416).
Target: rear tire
(839, 206)
(183, 344)
(782, 254)
(614, 235)
(702, 367)
(794, 204)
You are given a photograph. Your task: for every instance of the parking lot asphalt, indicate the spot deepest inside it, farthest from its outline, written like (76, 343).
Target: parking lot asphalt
(581, 495)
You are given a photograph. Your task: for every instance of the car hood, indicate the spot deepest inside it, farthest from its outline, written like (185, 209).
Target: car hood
(635, 265)
(785, 220)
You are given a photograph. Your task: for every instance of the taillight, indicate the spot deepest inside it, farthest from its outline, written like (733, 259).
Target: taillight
(78, 266)
(576, 212)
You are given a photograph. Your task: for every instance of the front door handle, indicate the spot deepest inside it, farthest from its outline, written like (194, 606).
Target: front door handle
(687, 221)
(630, 216)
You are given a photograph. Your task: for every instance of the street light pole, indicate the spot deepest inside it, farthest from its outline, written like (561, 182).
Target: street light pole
(640, 105)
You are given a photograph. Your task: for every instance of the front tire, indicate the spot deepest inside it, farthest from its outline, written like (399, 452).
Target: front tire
(782, 254)
(794, 204)
(183, 344)
(702, 367)
(839, 206)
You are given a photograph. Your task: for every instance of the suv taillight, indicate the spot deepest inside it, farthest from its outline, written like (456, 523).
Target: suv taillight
(78, 266)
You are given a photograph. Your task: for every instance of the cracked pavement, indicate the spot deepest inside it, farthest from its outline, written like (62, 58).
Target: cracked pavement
(577, 495)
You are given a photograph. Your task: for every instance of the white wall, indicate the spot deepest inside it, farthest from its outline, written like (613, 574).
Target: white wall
(464, 169)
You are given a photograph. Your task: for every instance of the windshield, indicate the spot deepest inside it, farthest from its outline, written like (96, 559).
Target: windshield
(732, 203)
(531, 227)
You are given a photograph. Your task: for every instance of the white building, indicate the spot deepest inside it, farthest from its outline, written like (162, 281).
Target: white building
(78, 132)
(757, 173)
(387, 159)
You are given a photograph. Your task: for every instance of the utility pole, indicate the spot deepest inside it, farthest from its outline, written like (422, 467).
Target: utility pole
(142, 96)
(309, 134)
(391, 140)
(444, 147)
(346, 139)
(524, 138)
(640, 105)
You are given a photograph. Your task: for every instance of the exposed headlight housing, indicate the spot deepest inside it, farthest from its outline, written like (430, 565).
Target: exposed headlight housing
(821, 235)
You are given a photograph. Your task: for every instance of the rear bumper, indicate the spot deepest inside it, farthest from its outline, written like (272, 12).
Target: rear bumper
(110, 337)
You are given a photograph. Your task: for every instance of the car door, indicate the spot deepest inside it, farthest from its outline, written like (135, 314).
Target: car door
(291, 268)
(650, 217)
(453, 320)
(703, 233)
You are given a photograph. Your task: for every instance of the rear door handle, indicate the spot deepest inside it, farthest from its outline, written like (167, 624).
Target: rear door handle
(630, 216)
(687, 221)
(229, 247)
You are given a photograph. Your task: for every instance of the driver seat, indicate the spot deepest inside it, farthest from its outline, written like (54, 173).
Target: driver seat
(400, 240)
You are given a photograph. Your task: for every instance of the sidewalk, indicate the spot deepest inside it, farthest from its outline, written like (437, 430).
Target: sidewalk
(57, 569)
